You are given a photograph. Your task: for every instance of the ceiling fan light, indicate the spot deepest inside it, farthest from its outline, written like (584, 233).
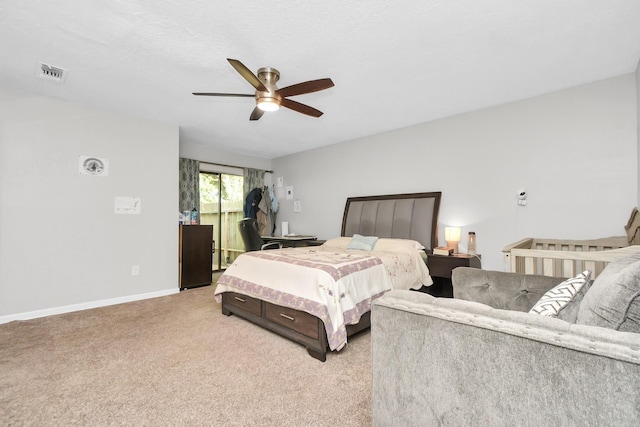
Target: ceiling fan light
(268, 104)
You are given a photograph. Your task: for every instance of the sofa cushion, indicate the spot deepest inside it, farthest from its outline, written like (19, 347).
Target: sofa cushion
(563, 301)
(614, 298)
(499, 289)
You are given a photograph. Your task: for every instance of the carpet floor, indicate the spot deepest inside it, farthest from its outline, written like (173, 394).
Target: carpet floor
(174, 361)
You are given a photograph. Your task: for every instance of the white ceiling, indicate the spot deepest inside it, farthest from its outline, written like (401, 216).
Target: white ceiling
(394, 63)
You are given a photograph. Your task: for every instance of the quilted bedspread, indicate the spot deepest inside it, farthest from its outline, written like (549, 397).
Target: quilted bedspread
(335, 285)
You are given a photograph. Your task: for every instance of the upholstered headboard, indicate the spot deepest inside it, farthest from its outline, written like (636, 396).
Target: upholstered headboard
(401, 216)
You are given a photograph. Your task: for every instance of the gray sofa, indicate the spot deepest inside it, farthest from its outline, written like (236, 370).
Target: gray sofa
(482, 359)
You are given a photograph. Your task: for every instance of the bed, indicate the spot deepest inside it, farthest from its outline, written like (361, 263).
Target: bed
(318, 296)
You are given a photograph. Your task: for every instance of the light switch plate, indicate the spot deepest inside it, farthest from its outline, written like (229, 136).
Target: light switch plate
(290, 193)
(127, 205)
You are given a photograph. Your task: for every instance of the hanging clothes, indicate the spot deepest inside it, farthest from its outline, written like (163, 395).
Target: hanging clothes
(262, 222)
(251, 203)
(267, 213)
(274, 201)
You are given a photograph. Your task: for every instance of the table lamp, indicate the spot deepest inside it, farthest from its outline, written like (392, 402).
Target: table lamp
(452, 236)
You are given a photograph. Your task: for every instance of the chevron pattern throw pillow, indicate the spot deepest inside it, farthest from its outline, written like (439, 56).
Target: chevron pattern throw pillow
(558, 298)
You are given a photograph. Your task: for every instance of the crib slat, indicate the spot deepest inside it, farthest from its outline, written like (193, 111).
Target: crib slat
(568, 268)
(529, 267)
(566, 263)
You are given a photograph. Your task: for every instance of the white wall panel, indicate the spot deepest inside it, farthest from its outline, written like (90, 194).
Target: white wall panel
(575, 151)
(61, 243)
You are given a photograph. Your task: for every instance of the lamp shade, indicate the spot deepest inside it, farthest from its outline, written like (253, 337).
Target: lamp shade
(452, 234)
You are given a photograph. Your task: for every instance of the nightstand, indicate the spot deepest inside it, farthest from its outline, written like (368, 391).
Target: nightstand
(440, 268)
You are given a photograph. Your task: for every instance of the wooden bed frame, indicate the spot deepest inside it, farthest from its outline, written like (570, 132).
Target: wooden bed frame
(403, 216)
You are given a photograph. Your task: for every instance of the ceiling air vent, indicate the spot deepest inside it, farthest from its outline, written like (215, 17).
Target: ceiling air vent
(50, 72)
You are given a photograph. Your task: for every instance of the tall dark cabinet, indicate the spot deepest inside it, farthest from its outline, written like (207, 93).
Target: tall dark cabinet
(195, 255)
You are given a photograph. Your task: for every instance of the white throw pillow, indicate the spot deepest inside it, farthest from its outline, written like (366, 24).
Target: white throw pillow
(563, 300)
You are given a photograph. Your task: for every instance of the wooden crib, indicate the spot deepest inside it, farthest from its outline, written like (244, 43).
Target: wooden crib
(566, 258)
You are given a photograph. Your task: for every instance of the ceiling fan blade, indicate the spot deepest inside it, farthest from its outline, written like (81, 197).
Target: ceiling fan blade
(247, 74)
(223, 94)
(256, 114)
(306, 87)
(300, 108)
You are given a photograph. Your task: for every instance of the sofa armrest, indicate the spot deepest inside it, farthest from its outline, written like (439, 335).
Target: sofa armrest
(497, 289)
(441, 361)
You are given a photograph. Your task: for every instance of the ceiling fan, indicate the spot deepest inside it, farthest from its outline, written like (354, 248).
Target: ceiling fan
(268, 96)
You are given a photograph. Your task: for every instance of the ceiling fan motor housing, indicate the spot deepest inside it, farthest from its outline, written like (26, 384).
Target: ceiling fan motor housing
(268, 100)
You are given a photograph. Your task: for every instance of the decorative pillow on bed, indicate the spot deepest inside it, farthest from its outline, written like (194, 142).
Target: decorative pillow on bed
(363, 243)
(397, 244)
(563, 301)
(337, 242)
(383, 244)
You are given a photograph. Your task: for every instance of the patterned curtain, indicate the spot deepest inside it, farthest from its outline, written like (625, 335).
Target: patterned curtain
(189, 185)
(253, 178)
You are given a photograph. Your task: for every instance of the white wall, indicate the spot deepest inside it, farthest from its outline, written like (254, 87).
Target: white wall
(575, 151)
(61, 245)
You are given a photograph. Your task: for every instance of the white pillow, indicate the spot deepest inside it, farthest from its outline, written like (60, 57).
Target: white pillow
(383, 244)
(391, 245)
(337, 242)
(564, 297)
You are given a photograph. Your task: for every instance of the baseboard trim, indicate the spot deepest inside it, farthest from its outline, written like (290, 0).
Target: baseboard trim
(85, 306)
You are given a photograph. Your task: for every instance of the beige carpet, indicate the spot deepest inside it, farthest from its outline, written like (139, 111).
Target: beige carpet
(172, 361)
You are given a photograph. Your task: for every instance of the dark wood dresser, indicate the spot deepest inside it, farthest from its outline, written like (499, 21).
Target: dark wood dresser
(195, 255)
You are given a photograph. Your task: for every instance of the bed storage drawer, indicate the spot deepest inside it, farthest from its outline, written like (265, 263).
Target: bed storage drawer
(299, 321)
(248, 304)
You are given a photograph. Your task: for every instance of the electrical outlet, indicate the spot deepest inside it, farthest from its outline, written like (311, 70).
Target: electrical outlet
(297, 206)
(135, 270)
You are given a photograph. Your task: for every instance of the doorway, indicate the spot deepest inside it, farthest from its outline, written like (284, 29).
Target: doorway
(221, 205)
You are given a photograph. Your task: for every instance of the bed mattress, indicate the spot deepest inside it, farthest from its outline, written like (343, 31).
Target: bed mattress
(333, 283)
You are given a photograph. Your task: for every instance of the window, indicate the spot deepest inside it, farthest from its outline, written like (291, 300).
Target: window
(221, 205)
